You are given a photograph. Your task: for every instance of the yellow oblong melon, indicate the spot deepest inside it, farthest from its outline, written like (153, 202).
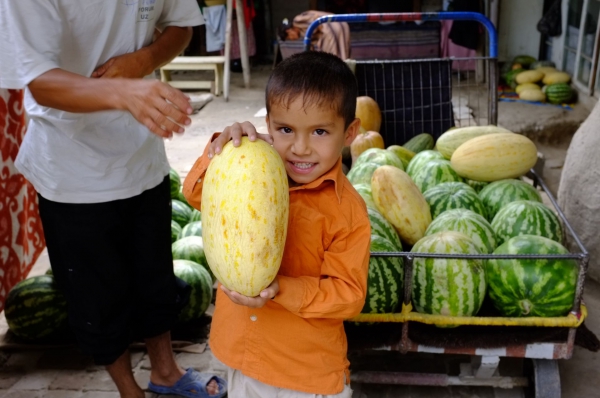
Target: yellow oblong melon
(556, 77)
(529, 76)
(401, 202)
(533, 94)
(526, 86)
(495, 157)
(452, 139)
(245, 207)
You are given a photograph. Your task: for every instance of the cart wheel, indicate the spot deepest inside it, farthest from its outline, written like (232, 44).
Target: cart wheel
(545, 377)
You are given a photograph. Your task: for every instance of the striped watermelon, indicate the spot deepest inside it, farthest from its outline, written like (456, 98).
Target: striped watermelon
(453, 195)
(382, 227)
(35, 308)
(379, 156)
(477, 185)
(191, 248)
(364, 190)
(469, 223)
(182, 198)
(195, 216)
(420, 143)
(175, 231)
(362, 173)
(447, 286)
(201, 283)
(500, 193)
(175, 183)
(180, 212)
(386, 278)
(526, 217)
(524, 287)
(192, 229)
(559, 93)
(435, 172)
(420, 159)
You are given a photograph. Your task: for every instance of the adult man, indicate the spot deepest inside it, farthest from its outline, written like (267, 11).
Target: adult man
(95, 154)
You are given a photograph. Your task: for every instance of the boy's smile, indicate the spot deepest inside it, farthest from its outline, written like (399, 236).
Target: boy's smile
(308, 137)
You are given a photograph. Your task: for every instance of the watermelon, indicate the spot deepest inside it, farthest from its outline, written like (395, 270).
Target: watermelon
(453, 195)
(361, 173)
(382, 227)
(195, 216)
(435, 172)
(526, 217)
(420, 143)
(524, 60)
(477, 185)
(35, 308)
(192, 229)
(500, 193)
(421, 159)
(182, 198)
(364, 190)
(447, 286)
(559, 93)
(175, 231)
(191, 248)
(175, 183)
(540, 64)
(180, 212)
(385, 281)
(201, 283)
(523, 287)
(469, 223)
(379, 156)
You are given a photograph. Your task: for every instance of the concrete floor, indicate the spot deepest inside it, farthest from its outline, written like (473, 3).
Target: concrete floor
(65, 373)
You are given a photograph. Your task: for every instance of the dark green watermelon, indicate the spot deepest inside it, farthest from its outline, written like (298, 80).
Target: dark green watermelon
(201, 283)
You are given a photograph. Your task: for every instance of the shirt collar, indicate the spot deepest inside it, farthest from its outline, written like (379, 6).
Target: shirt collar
(335, 174)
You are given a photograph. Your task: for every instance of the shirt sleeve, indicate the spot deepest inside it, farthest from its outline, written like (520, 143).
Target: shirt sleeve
(179, 13)
(29, 41)
(341, 290)
(192, 185)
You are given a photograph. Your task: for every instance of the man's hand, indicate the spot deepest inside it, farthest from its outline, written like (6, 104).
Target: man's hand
(253, 302)
(133, 65)
(235, 133)
(161, 108)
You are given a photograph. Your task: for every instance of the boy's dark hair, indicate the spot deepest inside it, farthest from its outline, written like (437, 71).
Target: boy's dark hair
(322, 78)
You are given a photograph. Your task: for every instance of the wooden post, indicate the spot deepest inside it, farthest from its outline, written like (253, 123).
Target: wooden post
(227, 71)
(239, 7)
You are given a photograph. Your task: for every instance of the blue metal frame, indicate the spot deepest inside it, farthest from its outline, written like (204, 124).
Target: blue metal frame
(409, 16)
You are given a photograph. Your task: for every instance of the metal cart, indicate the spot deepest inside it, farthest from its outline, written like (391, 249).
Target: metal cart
(433, 95)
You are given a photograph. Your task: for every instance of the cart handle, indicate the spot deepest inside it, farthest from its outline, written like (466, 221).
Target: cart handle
(408, 16)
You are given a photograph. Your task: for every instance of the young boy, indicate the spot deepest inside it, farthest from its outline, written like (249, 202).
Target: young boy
(289, 341)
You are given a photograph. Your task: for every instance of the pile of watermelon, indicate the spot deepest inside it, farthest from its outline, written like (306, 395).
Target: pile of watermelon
(188, 252)
(463, 194)
(538, 81)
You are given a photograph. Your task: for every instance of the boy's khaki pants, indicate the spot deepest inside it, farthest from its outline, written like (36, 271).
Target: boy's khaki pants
(240, 386)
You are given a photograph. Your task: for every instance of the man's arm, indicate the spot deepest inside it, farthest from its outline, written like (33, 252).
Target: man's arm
(146, 100)
(170, 43)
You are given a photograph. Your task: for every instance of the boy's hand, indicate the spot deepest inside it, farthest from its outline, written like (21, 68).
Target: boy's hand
(235, 133)
(253, 302)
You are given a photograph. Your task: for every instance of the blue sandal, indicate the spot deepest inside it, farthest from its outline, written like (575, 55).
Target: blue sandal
(191, 385)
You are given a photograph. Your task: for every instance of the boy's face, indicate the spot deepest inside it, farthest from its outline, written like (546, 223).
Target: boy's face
(308, 139)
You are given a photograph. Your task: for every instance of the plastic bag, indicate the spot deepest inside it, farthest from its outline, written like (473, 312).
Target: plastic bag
(551, 24)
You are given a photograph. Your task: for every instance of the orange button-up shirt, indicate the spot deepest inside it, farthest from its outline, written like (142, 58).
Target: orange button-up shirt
(297, 340)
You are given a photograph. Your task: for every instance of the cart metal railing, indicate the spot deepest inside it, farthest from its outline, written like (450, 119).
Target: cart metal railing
(429, 95)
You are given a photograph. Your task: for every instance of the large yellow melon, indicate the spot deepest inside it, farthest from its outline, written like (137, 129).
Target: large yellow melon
(369, 113)
(401, 202)
(245, 207)
(494, 157)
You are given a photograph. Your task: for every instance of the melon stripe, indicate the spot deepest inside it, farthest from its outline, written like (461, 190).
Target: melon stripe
(500, 193)
(526, 217)
(453, 195)
(382, 227)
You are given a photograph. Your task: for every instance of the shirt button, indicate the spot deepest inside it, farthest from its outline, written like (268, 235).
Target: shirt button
(253, 318)
(199, 180)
